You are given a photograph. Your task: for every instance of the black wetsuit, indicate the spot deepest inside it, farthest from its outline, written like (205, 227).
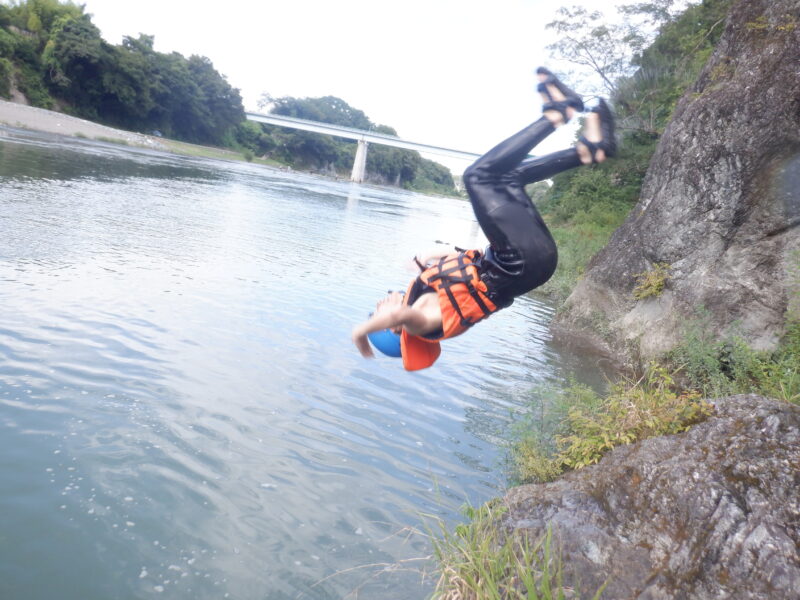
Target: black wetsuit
(522, 254)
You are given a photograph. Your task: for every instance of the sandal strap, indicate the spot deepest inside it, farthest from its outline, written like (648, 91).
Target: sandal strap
(592, 146)
(562, 106)
(551, 79)
(557, 106)
(541, 87)
(609, 143)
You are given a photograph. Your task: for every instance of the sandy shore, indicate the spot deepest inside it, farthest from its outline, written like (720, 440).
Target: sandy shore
(48, 121)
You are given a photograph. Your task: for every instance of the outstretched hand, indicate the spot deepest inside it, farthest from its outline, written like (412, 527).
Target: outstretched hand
(361, 341)
(385, 317)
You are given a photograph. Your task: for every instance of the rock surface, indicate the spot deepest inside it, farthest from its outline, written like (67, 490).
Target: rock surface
(720, 203)
(710, 513)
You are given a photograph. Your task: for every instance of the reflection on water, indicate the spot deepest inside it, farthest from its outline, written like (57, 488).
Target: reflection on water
(181, 409)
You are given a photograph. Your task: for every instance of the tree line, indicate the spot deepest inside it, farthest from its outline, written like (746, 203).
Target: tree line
(306, 150)
(57, 58)
(53, 54)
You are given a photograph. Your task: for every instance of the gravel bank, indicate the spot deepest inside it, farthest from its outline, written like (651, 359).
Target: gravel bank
(40, 119)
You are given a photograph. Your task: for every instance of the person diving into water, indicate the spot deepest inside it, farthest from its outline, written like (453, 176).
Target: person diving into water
(455, 290)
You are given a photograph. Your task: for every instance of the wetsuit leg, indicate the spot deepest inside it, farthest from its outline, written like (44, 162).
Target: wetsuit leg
(525, 254)
(511, 152)
(485, 179)
(545, 167)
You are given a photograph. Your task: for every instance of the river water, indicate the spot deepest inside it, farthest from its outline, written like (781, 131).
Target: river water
(182, 413)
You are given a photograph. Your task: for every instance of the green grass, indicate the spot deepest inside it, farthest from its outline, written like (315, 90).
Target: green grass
(187, 149)
(580, 426)
(720, 366)
(109, 140)
(479, 561)
(652, 282)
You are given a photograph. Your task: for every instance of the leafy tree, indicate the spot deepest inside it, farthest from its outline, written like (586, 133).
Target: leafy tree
(588, 41)
(178, 100)
(5, 15)
(607, 48)
(328, 109)
(38, 16)
(250, 135)
(6, 73)
(34, 22)
(221, 105)
(431, 176)
(75, 57)
(646, 99)
(655, 12)
(127, 85)
(8, 43)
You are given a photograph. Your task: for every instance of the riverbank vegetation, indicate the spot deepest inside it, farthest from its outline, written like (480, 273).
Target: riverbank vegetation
(480, 562)
(585, 206)
(574, 427)
(55, 57)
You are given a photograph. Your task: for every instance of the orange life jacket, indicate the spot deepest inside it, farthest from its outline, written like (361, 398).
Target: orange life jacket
(462, 300)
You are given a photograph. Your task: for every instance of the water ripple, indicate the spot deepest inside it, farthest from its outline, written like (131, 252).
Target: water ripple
(181, 407)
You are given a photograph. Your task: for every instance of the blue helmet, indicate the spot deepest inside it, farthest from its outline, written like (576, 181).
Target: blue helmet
(386, 341)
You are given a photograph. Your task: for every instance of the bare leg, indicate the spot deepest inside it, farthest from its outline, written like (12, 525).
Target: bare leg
(554, 116)
(593, 133)
(545, 167)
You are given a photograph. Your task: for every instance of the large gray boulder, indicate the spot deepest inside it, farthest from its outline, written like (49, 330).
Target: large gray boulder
(713, 513)
(720, 203)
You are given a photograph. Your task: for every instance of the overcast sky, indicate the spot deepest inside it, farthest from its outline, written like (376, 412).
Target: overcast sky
(454, 73)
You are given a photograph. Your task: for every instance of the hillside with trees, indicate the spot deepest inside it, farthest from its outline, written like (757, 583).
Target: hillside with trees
(53, 56)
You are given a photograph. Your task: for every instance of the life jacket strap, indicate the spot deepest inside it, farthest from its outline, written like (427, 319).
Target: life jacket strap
(463, 320)
(449, 276)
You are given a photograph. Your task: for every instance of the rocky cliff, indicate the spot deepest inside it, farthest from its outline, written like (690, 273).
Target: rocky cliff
(713, 513)
(720, 204)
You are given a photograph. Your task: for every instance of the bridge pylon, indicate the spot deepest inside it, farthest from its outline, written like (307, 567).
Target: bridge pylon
(360, 163)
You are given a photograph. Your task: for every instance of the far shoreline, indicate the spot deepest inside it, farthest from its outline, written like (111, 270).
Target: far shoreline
(22, 116)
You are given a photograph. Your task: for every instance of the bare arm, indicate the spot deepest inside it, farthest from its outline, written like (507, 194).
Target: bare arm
(395, 316)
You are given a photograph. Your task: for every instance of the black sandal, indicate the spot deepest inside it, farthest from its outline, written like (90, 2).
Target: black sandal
(609, 143)
(573, 100)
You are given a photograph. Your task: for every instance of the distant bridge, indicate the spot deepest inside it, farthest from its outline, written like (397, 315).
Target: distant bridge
(363, 137)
